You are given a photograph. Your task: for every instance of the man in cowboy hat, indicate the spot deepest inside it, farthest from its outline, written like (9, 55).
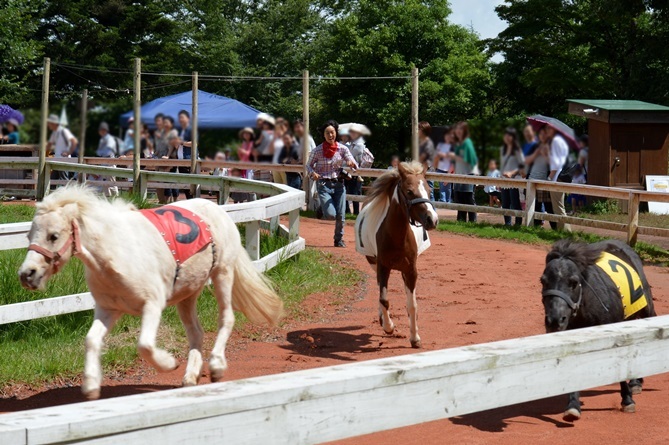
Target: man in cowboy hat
(357, 148)
(61, 142)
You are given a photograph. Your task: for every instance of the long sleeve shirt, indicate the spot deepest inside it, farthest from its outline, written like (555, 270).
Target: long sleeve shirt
(329, 168)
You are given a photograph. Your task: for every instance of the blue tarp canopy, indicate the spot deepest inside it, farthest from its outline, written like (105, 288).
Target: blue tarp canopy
(213, 111)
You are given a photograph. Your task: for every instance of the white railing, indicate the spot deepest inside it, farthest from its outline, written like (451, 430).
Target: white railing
(631, 196)
(256, 215)
(325, 404)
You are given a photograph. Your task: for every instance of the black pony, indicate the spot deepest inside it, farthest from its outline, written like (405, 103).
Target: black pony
(592, 284)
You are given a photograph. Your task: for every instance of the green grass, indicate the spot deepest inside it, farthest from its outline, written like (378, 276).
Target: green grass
(531, 235)
(13, 213)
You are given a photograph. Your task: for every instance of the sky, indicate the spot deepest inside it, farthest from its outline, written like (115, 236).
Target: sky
(480, 15)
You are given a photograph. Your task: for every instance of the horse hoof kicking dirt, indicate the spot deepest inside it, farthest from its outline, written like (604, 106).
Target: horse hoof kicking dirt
(139, 262)
(593, 284)
(391, 231)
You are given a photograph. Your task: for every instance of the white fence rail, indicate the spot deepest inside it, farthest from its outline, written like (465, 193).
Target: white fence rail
(632, 197)
(254, 215)
(325, 404)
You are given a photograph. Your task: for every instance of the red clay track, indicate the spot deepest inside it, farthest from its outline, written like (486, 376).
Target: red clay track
(470, 291)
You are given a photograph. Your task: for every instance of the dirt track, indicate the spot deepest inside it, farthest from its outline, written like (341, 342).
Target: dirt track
(470, 291)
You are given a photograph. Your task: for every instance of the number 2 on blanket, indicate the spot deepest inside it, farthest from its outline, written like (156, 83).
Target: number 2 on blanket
(635, 294)
(183, 238)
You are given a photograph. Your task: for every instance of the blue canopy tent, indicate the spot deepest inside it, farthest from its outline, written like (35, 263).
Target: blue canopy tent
(213, 111)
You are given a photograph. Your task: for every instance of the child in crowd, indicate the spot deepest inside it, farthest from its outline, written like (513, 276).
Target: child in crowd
(493, 193)
(394, 162)
(577, 200)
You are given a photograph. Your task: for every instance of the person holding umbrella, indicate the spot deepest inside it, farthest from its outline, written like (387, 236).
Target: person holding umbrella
(12, 136)
(560, 136)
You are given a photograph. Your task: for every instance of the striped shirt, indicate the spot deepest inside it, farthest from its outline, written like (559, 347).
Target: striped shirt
(329, 168)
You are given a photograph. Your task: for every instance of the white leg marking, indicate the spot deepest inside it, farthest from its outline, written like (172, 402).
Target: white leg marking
(160, 359)
(104, 321)
(226, 320)
(188, 314)
(412, 308)
(386, 323)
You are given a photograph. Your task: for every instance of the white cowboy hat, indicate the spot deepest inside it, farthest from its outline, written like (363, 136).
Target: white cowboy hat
(267, 118)
(357, 128)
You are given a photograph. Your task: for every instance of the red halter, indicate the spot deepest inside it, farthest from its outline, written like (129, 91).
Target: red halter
(54, 257)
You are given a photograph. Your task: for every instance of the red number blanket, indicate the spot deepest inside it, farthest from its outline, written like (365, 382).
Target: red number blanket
(184, 231)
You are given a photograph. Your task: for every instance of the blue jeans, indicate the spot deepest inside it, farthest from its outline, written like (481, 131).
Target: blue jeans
(294, 181)
(511, 200)
(445, 190)
(332, 195)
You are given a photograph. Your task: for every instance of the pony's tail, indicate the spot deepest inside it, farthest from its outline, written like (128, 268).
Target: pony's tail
(252, 293)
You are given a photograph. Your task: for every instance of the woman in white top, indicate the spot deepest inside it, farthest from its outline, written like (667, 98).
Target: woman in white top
(443, 163)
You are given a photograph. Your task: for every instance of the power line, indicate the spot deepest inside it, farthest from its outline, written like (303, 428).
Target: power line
(225, 78)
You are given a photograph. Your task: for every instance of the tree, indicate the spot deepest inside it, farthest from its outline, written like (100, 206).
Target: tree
(388, 38)
(19, 52)
(560, 49)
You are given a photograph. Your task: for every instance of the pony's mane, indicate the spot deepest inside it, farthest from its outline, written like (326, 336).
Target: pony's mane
(385, 184)
(582, 254)
(83, 196)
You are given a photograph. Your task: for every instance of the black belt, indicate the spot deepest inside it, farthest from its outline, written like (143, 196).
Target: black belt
(330, 180)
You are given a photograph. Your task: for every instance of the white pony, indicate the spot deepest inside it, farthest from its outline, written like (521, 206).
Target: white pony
(130, 269)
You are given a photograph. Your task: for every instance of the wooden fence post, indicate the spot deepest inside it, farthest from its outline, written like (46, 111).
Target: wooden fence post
(41, 180)
(137, 132)
(414, 114)
(224, 191)
(195, 189)
(293, 225)
(530, 202)
(633, 223)
(305, 139)
(252, 237)
(81, 176)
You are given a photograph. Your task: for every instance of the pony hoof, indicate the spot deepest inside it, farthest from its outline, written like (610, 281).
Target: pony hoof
(636, 390)
(92, 394)
(631, 408)
(186, 382)
(416, 344)
(571, 415)
(216, 376)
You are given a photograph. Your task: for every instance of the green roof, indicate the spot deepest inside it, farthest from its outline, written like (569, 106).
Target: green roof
(620, 105)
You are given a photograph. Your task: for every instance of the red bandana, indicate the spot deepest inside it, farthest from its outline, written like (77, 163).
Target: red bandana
(329, 149)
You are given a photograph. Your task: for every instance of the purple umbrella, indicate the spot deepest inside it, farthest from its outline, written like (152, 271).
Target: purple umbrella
(18, 116)
(537, 121)
(6, 112)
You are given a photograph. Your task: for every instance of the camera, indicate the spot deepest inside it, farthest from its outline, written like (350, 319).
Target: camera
(344, 175)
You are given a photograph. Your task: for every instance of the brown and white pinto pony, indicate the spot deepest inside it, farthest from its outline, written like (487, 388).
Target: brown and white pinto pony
(391, 231)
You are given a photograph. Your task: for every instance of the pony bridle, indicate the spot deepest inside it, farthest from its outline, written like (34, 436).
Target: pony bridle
(54, 257)
(573, 305)
(412, 202)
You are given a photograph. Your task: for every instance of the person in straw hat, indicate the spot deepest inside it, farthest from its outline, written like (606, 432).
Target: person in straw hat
(245, 150)
(61, 142)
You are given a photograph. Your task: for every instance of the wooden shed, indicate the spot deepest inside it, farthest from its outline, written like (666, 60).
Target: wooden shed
(629, 139)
